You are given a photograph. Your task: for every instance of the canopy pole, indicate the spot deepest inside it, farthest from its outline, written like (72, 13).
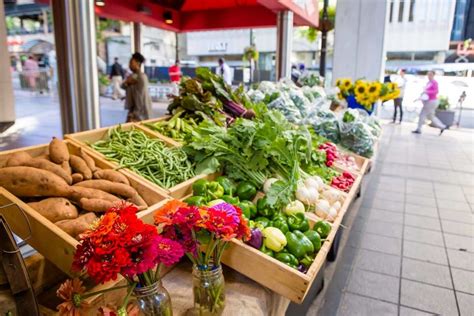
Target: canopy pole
(136, 40)
(356, 54)
(284, 44)
(7, 103)
(75, 37)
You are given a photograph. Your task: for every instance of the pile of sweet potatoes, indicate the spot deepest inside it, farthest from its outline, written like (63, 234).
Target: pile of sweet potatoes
(67, 189)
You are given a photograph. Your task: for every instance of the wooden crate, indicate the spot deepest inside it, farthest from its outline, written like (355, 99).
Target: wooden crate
(361, 162)
(159, 119)
(88, 137)
(48, 239)
(274, 274)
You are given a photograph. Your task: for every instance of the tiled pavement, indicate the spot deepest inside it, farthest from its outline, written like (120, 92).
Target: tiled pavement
(411, 248)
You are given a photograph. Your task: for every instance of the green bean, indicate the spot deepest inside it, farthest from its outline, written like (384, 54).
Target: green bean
(149, 157)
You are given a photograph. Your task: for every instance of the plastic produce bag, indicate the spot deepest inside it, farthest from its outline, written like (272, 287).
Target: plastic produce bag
(356, 134)
(326, 124)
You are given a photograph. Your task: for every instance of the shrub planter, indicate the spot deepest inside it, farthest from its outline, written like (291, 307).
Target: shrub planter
(446, 116)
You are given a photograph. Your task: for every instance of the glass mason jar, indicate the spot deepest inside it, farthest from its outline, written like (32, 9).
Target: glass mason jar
(208, 291)
(153, 300)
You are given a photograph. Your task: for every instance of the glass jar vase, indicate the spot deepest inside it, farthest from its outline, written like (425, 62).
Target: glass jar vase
(153, 300)
(208, 290)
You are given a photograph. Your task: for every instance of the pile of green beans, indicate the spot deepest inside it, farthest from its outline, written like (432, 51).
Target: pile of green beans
(149, 157)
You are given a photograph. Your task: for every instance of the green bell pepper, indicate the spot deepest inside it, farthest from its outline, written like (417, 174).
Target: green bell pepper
(215, 190)
(298, 244)
(248, 209)
(314, 238)
(299, 222)
(263, 209)
(230, 199)
(196, 200)
(307, 261)
(267, 251)
(228, 185)
(274, 239)
(288, 259)
(200, 187)
(265, 222)
(323, 228)
(281, 224)
(246, 191)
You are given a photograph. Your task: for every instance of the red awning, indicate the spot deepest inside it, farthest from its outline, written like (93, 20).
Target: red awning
(200, 15)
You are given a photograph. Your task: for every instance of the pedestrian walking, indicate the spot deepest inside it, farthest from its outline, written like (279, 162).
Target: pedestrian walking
(398, 102)
(116, 75)
(429, 97)
(224, 71)
(31, 72)
(174, 73)
(137, 99)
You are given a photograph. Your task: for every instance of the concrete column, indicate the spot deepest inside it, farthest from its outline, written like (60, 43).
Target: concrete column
(284, 44)
(75, 37)
(44, 12)
(7, 102)
(359, 40)
(136, 37)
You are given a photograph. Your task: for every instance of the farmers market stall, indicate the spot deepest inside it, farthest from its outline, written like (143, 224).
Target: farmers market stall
(249, 180)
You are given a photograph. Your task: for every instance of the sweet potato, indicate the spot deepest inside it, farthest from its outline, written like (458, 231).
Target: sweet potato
(29, 182)
(138, 201)
(110, 187)
(77, 177)
(77, 226)
(111, 175)
(55, 209)
(89, 161)
(44, 156)
(45, 165)
(58, 151)
(18, 159)
(79, 165)
(95, 205)
(66, 167)
(80, 192)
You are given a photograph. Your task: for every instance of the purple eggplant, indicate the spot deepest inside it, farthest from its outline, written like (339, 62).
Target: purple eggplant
(256, 238)
(302, 269)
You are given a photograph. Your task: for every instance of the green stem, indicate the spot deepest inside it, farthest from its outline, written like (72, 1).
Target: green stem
(158, 272)
(130, 291)
(103, 291)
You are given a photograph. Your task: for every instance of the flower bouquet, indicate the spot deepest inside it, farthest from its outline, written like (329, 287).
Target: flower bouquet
(363, 94)
(120, 243)
(203, 232)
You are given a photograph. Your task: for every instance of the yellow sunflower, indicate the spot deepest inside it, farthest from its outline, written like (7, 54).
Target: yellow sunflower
(375, 89)
(361, 88)
(346, 83)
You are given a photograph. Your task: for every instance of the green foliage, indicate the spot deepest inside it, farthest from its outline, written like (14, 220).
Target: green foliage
(444, 103)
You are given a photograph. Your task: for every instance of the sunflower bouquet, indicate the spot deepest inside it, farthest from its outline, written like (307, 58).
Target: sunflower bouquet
(366, 93)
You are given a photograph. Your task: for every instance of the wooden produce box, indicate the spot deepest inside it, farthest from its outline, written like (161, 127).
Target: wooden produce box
(159, 119)
(276, 275)
(89, 137)
(48, 239)
(361, 162)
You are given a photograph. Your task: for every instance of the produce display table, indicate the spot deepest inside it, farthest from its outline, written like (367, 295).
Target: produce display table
(243, 296)
(270, 285)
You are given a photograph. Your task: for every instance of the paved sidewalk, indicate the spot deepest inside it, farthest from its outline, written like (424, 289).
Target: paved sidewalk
(411, 248)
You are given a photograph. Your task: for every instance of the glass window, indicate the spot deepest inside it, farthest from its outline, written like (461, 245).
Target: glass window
(401, 6)
(412, 10)
(390, 17)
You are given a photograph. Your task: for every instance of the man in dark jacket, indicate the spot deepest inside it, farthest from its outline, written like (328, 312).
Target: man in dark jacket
(116, 75)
